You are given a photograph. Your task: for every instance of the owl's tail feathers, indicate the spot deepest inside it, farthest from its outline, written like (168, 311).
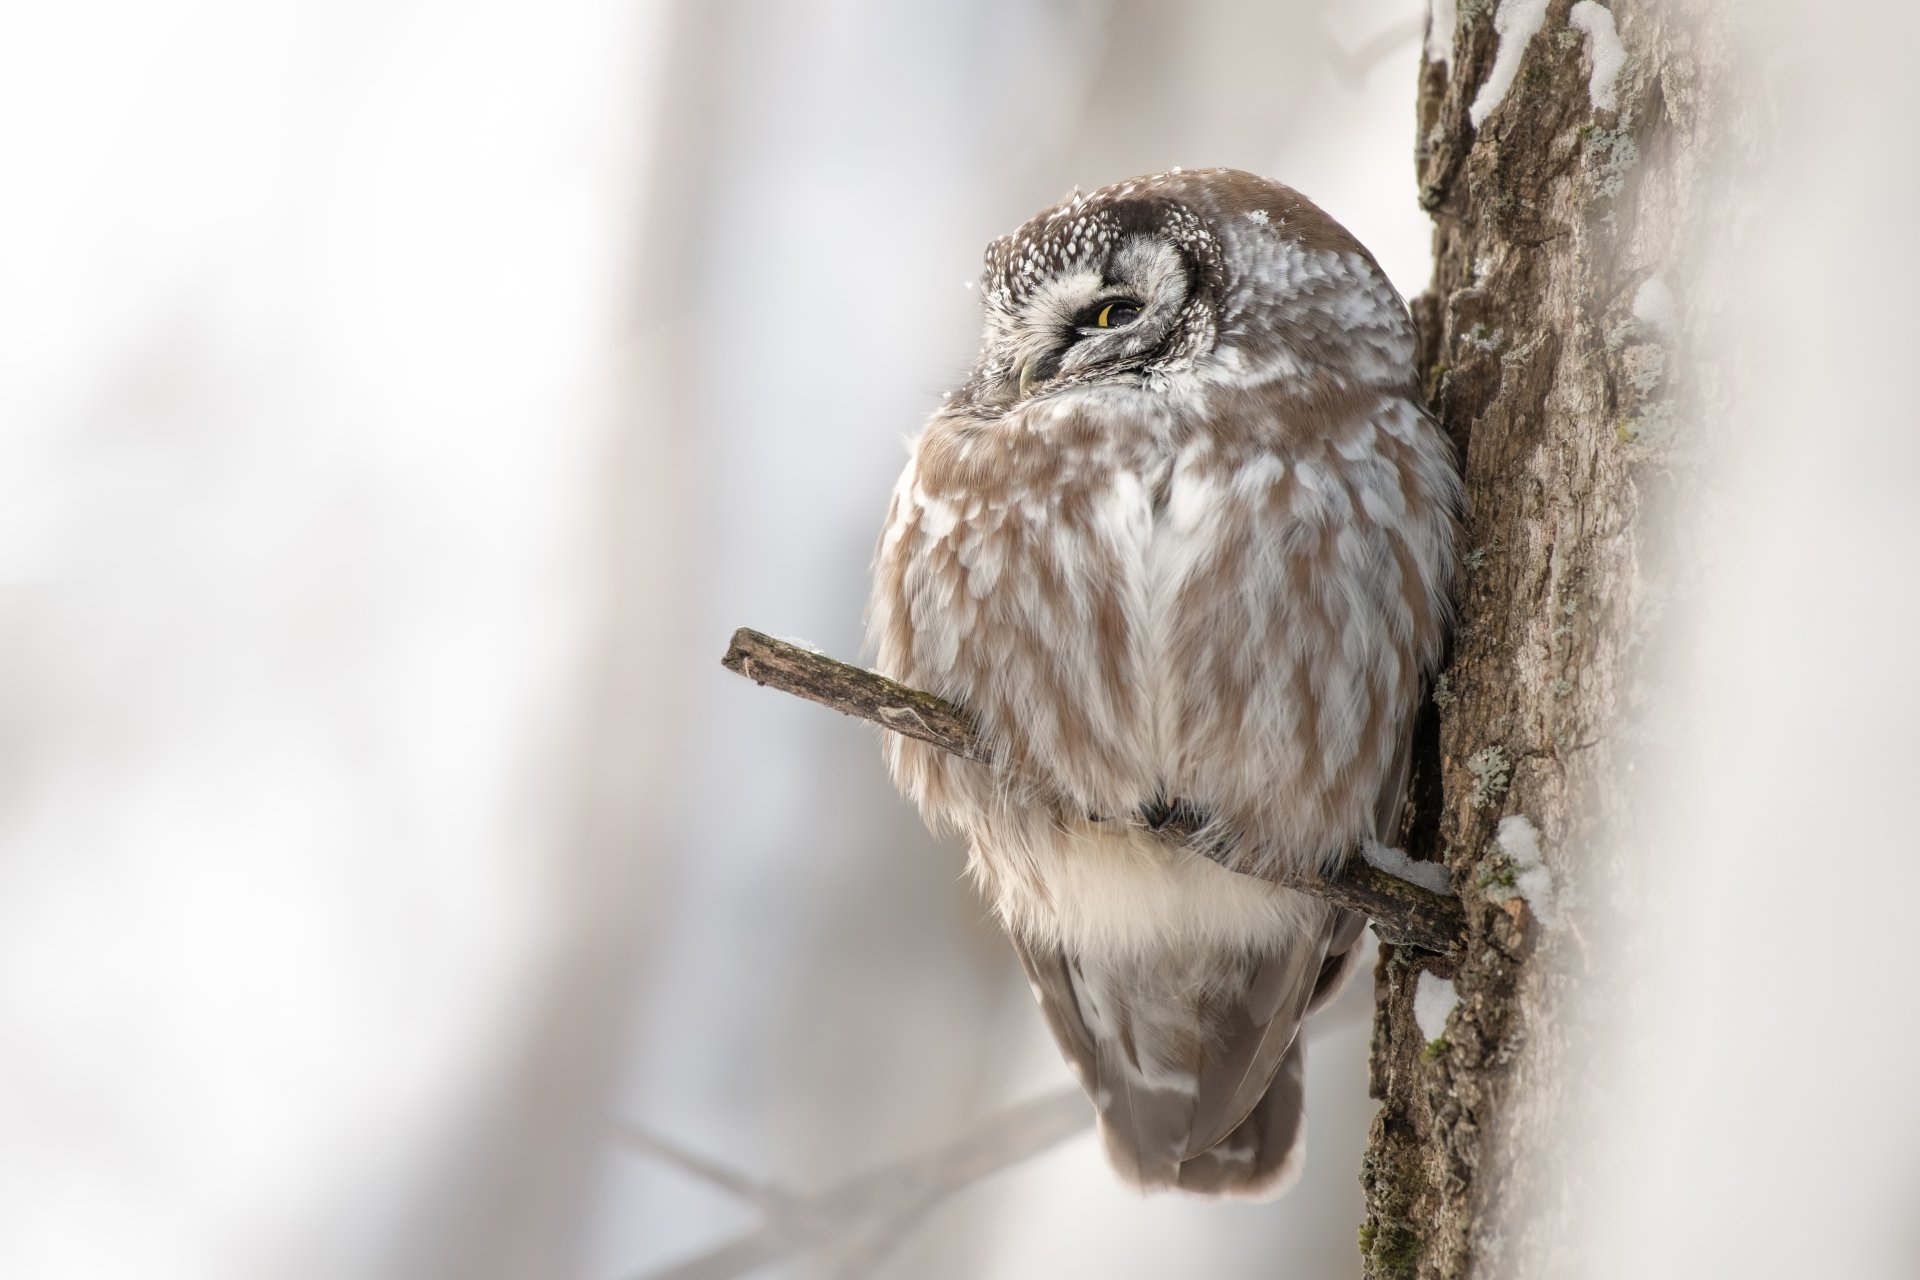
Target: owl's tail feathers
(1264, 1154)
(1193, 1062)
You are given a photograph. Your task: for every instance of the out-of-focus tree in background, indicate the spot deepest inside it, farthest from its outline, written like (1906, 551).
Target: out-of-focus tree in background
(399, 406)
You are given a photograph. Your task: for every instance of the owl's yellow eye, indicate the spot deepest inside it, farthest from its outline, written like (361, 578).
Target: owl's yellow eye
(1116, 314)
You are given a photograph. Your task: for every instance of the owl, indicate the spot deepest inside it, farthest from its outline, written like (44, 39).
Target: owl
(1180, 545)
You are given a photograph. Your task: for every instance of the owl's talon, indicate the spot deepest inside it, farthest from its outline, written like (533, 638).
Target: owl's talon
(1157, 815)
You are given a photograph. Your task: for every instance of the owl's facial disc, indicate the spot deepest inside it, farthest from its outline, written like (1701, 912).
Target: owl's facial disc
(1095, 319)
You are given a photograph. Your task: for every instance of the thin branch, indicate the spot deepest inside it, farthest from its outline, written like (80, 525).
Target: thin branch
(769, 1198)
(851, 691)
(865, 1220)
(875, 1212)
(1402, 912)
(1351, 66)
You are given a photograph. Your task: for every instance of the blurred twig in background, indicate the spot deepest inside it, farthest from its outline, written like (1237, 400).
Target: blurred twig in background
(1351, 66)
(867, 1218)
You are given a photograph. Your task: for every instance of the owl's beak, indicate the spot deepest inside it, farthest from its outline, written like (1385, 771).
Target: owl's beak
(1026, 376)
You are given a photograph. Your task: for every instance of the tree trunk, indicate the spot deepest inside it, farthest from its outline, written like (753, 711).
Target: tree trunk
(1561, 364)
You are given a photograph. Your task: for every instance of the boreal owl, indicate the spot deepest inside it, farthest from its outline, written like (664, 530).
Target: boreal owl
(1180, 543)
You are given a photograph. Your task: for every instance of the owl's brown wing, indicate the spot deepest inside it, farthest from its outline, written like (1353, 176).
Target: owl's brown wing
(1193, 1060)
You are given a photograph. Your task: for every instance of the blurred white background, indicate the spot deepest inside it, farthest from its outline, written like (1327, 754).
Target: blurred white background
(311, 327)
(400, 405)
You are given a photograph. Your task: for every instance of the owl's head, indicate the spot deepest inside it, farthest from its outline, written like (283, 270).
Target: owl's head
(1213, 273)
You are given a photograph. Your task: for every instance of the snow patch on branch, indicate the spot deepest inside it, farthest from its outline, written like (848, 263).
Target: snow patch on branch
(1431, 876)
(1442, 19)
(1516, 22)
(1434, 1001)
(1604, 51)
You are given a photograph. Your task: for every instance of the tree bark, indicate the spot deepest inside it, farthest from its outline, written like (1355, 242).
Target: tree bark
(1558, 341)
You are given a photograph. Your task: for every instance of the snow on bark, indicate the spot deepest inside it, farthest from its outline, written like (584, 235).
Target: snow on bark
(1517, 21)
(1604, 51)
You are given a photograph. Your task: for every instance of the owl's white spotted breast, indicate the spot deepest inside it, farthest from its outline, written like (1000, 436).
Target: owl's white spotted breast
(1222, 594)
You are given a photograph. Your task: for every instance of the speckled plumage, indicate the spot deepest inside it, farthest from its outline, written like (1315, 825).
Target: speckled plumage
(1201, 558)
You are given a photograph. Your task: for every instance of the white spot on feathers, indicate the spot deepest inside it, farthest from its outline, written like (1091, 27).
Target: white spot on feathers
(1516, 21)
(1604, 51)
